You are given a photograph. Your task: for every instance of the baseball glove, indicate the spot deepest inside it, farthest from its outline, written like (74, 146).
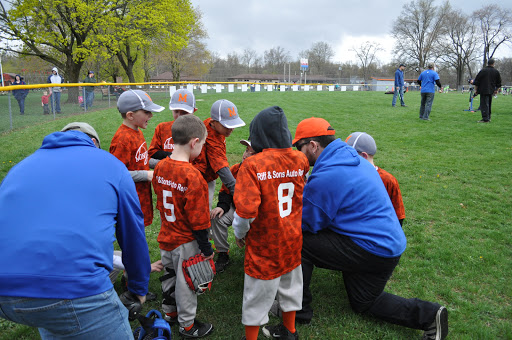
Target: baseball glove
(132, 303)
(199, 273)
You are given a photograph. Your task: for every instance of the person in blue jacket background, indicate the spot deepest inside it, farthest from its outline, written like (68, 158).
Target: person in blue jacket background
(349, 224)
(61, 209)
(399, 85)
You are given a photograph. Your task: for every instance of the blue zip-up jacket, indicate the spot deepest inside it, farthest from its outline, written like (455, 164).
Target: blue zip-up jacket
(345, 194)
(399, 78)
(59, 211)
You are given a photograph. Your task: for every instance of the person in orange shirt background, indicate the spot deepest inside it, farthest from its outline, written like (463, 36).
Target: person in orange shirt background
(267, 222)
(366, 147)
(213, 162)
(182, 200)
(183, 102)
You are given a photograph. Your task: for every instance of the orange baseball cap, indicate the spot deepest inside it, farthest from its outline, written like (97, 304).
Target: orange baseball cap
(313, 127)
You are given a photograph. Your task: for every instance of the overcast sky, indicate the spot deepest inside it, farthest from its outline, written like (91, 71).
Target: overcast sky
(234, 25)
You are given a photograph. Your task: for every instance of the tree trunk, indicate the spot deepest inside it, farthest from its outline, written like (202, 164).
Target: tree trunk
(72, 75)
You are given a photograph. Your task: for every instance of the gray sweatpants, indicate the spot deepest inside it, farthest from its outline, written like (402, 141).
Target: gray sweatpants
(220, 230)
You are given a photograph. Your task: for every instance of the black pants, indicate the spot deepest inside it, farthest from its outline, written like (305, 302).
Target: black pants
(485, 106)
(365, 275)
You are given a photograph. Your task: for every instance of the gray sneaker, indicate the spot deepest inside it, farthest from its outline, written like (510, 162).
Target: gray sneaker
(439, 328)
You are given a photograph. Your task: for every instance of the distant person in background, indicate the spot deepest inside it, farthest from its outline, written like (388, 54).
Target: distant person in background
(20, 94)
(89, 90)
(428, 80)
(55, 92)
(487, 83)
(399, 86)
(45, 98)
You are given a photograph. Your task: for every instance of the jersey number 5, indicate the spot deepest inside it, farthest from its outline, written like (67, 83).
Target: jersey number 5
(168, 206)
(285, 200)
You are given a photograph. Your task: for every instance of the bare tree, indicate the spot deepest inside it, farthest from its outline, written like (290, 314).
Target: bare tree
(275, 58)
(496, 25)
(417, 31)
(248, 58)
(319, 56)
(366, 53)
(457, 50)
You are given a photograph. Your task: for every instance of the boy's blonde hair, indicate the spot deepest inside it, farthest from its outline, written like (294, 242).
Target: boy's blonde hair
(186, 128)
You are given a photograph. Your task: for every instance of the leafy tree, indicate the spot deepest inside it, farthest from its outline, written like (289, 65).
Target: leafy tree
(496, 28)
(135, 25)
(418, 30)
(58, 31)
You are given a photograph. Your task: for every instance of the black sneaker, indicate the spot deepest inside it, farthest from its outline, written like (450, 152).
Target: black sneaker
(151, 296)
(439, 328)
(171, 318)
(222, 262)
(279, 332)
(198, 330)
(484, 121)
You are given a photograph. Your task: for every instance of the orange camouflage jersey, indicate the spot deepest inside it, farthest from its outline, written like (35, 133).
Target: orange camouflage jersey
(394, 193)
(182, 199)
(213, 156)
(269, 188)
(234, 171)
(162, 139)
(130, 147)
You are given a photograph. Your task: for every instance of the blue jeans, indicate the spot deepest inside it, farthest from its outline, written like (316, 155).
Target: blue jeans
(55, 96)
(21, 103)
(100, 316)
(426, 104)
(398, 89)
(89, 98)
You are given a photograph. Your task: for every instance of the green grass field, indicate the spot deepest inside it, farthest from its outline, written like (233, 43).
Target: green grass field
(456, 185)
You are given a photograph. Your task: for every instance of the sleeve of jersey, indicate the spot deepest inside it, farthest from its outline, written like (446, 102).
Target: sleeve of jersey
(131, 237)
(247, 197)
(396, 199)
(216, 153)
(155, 143)
(197, 206)
(121, 152)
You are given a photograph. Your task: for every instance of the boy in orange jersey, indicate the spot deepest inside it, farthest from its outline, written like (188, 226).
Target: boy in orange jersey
(222, 215)
(267, 221)
(182, 199)
(182, 103)
(129, 145)
(213, 162)
(366, 148)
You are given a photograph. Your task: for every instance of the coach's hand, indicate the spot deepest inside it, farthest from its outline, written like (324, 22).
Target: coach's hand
(216, 212)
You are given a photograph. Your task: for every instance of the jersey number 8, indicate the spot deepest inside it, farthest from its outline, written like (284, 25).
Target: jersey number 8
(283, 199)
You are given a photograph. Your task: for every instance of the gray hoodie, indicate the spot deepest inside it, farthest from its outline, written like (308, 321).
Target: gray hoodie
(269, 130)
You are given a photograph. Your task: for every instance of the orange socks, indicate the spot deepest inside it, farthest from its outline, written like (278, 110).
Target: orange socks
(251, 332)
(289, 320)
(189, 327)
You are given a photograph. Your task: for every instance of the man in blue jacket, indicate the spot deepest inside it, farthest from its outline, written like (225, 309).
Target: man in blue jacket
(428, 80)
(349, 225)
(399, 85)
(61, 209)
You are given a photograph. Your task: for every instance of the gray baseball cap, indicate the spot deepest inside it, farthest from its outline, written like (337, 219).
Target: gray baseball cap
(184, 100)
(84, 127)
(362, 142)
(226, 113)
(133, 100)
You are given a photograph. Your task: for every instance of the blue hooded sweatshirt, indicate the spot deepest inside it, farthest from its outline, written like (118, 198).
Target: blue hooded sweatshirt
(345, 194)
(59, 211)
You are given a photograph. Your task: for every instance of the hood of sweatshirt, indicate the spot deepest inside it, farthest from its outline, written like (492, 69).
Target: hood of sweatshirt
(337, 153)
(269, 130)
(55, 69)
(66, 139)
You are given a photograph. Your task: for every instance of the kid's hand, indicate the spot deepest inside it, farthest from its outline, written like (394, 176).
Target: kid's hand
(157, 266)
(216, 212)
(208, 257)
(150, 175)
(240, 242)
